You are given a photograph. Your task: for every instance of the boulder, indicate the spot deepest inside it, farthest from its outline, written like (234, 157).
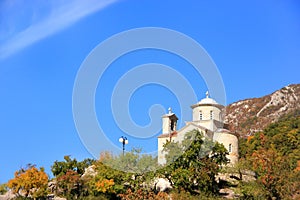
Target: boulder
(162, 184)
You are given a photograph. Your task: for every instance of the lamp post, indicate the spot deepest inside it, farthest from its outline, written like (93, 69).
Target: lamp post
(124, 141)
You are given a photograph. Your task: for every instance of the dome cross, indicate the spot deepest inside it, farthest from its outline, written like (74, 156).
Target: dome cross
(207, 94)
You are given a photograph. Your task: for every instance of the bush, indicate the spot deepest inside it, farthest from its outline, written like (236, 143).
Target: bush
(3, 188)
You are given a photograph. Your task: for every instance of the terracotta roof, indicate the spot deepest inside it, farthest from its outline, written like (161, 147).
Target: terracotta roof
(173, 134)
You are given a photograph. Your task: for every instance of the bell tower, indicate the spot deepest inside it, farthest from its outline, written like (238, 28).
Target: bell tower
(169, 122)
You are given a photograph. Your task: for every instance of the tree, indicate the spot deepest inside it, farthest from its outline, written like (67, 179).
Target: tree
(195, 168)
(274, 156)
(128, 176)
(107, 182)
(3, 188)
(68, 177)
(274, 171)
(124, 175)
(29, 182)
(61, 167)
(69, 185)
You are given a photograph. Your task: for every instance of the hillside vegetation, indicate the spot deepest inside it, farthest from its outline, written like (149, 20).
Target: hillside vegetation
(274, 155)
(192, 175)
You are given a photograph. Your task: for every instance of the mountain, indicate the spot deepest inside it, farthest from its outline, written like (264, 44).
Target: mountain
(252, 115)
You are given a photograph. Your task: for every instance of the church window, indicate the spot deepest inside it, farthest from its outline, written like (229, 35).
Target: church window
(201, 115)
(211, 114)
(230, 148)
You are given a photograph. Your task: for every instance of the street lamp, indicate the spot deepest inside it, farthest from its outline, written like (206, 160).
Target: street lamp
(124, 141)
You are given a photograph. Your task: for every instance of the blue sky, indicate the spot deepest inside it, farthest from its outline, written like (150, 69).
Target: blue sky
(255, 45)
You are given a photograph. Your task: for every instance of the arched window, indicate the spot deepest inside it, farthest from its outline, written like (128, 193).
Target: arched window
(211, 114)
(230, 148)
(201, 116)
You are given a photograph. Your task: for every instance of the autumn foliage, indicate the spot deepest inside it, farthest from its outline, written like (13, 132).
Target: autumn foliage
(104, 185)
(274, 155)
(68, 184)
(29, 182)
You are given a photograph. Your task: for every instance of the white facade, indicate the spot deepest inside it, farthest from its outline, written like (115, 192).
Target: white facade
(207, 118)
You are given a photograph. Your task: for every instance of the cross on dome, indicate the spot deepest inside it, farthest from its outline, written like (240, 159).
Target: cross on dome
(207, 100)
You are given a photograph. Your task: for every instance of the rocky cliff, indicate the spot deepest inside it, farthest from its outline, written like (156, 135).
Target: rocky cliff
(251, 115)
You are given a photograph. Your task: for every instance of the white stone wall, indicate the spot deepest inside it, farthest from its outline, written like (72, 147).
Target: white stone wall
(160, 153)
(226, 139)
(166, 124)
(208, 124)
(206, 113)
(181, 134)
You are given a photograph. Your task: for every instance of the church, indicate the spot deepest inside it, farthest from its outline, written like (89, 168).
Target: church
(207, 117)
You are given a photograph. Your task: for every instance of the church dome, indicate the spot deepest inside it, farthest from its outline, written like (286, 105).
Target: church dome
(207, 100)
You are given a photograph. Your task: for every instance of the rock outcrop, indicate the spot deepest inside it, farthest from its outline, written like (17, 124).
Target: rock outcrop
(252, 115)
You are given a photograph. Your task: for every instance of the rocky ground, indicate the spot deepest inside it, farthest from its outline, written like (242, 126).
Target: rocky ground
(248, 116)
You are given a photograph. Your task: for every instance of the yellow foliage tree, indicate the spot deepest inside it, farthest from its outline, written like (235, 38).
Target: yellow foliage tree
(29, 182)
(104, 185)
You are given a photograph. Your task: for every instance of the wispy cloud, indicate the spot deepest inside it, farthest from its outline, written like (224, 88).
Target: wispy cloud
(60, 17)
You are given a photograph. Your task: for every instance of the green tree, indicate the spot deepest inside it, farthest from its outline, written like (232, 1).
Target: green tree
(195, 168)
(3, 188)
(124, 174)
(68, 177)
(108, 182)
(61, 167)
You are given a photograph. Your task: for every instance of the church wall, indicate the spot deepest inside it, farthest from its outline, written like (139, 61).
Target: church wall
(208, 124)
(181, 133)
(230, 142)
(166, 125)
(206, 113)
(161, 154)
(210, 121)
